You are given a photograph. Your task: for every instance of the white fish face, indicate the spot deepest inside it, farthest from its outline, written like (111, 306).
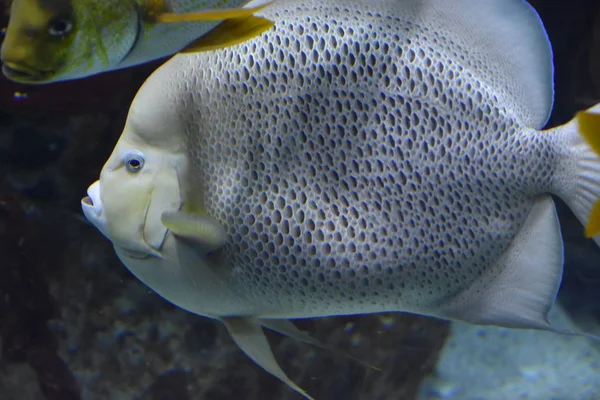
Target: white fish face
(137, 184)
(140, 179)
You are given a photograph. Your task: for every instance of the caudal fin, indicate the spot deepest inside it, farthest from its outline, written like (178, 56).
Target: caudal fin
(584, 200)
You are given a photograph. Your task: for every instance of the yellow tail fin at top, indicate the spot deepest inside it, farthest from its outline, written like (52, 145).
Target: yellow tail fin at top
(589, 127)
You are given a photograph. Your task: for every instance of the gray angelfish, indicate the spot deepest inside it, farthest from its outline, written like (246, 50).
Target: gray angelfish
(361, 156)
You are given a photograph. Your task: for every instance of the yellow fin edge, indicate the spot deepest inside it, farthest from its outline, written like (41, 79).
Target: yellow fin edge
(229, 33)
(589, 127)
(208, 15)
(593, 226)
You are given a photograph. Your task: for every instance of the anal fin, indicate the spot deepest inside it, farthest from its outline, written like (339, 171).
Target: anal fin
(527, 278)
(287, 328)
(249, 336)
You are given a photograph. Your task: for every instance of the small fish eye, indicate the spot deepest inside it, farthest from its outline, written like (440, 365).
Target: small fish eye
(134, 162)
(60, 27)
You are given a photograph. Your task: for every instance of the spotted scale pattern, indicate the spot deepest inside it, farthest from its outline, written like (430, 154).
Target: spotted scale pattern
(358, 160)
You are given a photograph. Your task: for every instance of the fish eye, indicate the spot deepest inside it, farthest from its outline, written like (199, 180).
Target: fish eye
(60, 27)
(134, 162)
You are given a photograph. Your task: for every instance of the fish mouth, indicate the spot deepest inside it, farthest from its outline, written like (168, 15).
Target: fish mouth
(91, 205)
(22, 73)
(92, 201)
(87, 200)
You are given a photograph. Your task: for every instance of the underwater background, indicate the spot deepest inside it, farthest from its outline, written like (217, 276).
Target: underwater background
(75, 324)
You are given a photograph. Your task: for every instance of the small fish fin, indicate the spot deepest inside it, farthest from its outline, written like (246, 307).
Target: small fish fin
(220, 14)
(249, 336)
(589, 127)
(583, 197)
(229, 33)
(201, 229)
(520, 288)
(287, 328)
(575, 332)
(593, 226)
(562, 324)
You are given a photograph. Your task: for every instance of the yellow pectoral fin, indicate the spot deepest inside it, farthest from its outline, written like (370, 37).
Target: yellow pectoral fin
(208, 15)
(201, 229)
(230, 33)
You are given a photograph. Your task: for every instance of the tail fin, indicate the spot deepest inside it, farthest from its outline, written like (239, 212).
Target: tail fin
(585, 201)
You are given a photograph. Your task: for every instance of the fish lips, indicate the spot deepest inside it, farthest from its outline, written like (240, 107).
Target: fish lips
(91, 206)
(25, 74)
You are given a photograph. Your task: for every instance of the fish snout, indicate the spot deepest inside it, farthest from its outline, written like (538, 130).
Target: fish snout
(20, 66)
(91, 206)
(92, 201)
(20, 57)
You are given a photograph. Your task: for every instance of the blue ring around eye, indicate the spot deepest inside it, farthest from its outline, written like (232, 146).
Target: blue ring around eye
(134, 161)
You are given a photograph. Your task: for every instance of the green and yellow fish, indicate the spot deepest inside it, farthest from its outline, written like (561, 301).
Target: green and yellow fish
(57, 40)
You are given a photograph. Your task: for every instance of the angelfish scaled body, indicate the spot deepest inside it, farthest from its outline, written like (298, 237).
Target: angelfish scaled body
(362, 156)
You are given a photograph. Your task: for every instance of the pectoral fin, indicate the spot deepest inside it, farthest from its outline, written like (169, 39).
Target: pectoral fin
(229, 33)
(249, 336)
(208, 15)
(201, 229)
(287, 328)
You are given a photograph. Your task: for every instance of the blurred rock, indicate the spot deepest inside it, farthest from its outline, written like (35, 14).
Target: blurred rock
(18, 381)
(28, 249)
(494, 363)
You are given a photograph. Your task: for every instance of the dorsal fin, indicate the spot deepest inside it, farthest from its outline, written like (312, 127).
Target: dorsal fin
(503, 42)
(507, 42)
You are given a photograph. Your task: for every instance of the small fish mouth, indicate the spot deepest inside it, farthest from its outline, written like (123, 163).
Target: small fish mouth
(23, 73)
(91, 205)
(92, 200)
(87, 200)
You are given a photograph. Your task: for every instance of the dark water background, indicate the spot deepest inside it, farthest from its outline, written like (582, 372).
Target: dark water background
(75, 324)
